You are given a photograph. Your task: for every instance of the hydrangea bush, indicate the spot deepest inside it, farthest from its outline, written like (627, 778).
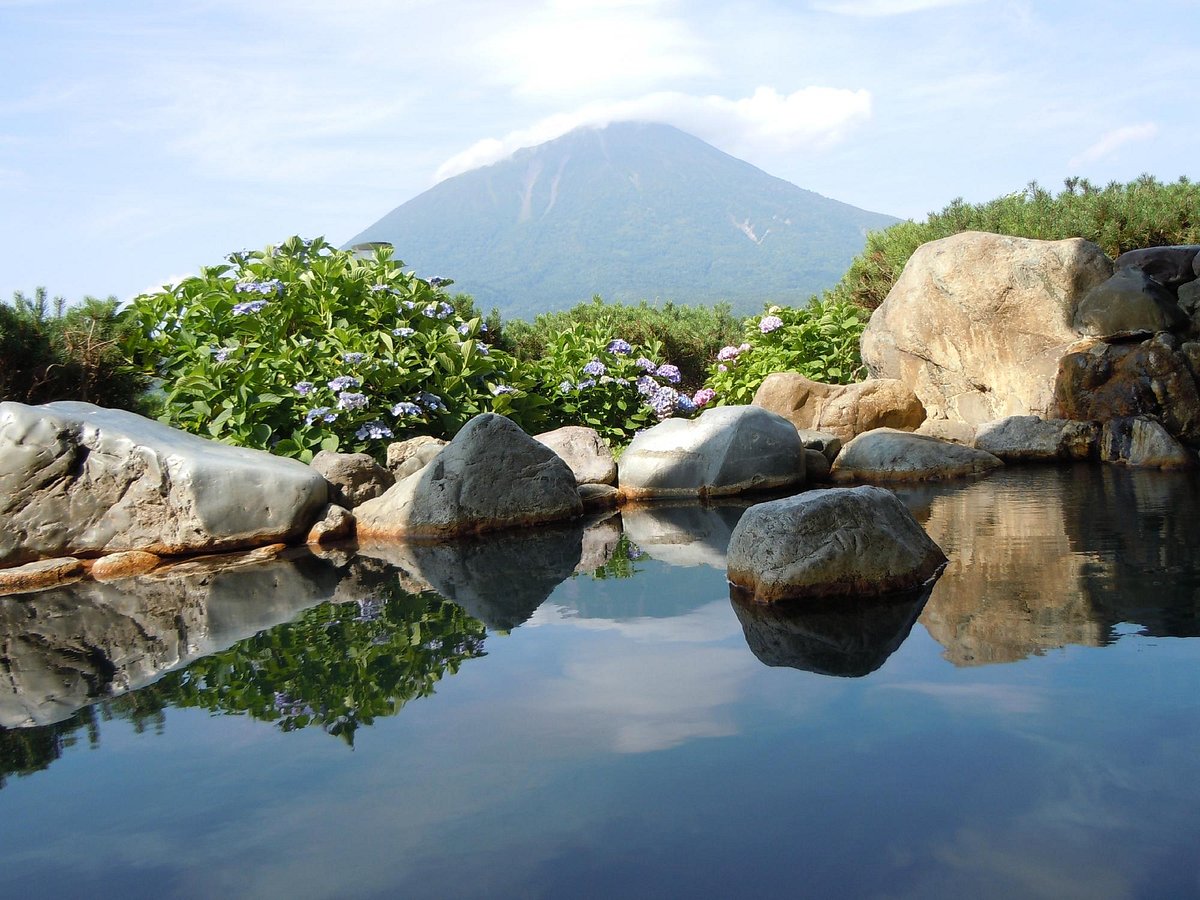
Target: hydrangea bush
(304, 347)
(603, 381)
(820, 341)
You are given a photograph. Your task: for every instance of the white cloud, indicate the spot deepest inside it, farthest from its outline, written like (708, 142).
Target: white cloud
(1113, 140)
(876, 8)
(767, 121)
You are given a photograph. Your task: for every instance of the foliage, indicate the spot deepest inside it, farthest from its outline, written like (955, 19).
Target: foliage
(623, 561)
(52, 351)
(302, 347)
(688, 335)
(599, 379)
(1143, 213)
(339, 666)
(820, 341)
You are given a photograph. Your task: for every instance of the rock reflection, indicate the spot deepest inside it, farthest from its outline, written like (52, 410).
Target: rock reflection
(683, 534)
(500, 578)
(847, 637)
(1046, 557)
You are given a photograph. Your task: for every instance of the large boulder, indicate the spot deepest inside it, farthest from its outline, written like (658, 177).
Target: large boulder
(976, 323)
(584, 451)
(491, 476)
(843, 410)
(1169, 266)
(1143, 442)
(726, 450)
(1129, 302)
(406, 457)
(1099, 381)
(1032, 439)
(889, 455)
(354, 477)
(836, 542)
(79, 480)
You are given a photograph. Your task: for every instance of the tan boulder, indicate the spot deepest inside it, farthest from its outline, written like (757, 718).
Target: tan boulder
(843, 410)
(976, 323)
(124, 565)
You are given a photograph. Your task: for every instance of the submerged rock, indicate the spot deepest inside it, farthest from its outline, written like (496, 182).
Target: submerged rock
(79, 480)
(1029, 438)
(848, 542)
(726, 450)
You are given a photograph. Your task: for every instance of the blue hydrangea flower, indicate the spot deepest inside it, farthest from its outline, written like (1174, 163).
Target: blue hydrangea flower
(324, 413)
(728, 353)
(303, 388)
(646, 385)
(222, 353)
(250, 306)
(663, 401)
(406, 408)
(353, 359)
(351, 400)
(565, 387)
(408, 304)
(373, 431)
(770, 323)
(499, 389)
(481, 348)
(595, 368)
(344, 382)
(464, 329)
(586, 383)
(617, 345)
(669, 372)
(404, 332)
(684, 405)
(646, 365)
(376, 288)
(274, 286)
(430, 402)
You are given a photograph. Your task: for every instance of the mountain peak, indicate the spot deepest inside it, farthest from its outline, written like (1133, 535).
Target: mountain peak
(630, 211)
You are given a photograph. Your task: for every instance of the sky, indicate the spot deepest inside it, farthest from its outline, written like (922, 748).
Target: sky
(142, 140)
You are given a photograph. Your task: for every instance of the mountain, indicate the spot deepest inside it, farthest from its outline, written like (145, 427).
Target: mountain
(632, 211)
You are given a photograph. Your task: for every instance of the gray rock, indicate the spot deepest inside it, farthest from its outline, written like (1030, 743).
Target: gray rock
(725, 450)
(1130, 301)
(584, 451)
(334, 524)
(1030, 438)
(1189, 298)
(79, 480)
(889, 455)
(354, 477)
(406, 457)
(816, 466)
(835, 542)
(491, 476)
(1169, 266)
(954, 432)
(1143, 442)
(599, 496)
(828, 444)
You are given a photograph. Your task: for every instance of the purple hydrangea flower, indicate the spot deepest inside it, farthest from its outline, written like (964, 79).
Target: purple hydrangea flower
(770, 323)
(727, 353)
(404, 332)
(704, 396)
(303, 388)
(499, 389)
(438, 281)
(646, 365)
(669, 372)
(351, 400)
(585, 384)
(663, 401)
(408, 304)
(617, 345)
(274, 286)
(565, 387)
(406, 408)
(250, 306)
(222, 353)
(595, 368)
(481, 348)
(353, 359)
(376, 288)
(429, 402)
(374, 431)
(464, 329)
(324, 413)
(343, 382)
(646, 385)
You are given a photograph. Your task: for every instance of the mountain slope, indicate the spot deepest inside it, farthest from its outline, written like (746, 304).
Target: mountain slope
(633, 211)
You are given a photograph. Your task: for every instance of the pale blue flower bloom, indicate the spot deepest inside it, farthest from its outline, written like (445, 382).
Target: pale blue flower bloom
(430, 402)
(405, 408)
(646, 365)
(663, 401)
(342, 382)
(404, 332)
(464, 329)
(304, 388)
(770, 323)
(669, 372)
(324, 413)
(481, 348)
(499, 389)
(222, 353)
(617, 345)
(586, 383)
(353, 359)
(565, 387)
(250, 306)
(373, 431)
(595, 368)
(351, 400)
(646, 385)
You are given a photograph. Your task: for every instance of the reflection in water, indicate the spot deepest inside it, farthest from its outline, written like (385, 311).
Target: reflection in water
(683, 534)
(846, 636)
(1045, 557)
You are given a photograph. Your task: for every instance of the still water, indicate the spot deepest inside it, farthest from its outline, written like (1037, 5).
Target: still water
(590, 715)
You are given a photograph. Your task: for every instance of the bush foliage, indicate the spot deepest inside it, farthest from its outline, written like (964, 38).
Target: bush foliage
(54, 352)
(1143, 213)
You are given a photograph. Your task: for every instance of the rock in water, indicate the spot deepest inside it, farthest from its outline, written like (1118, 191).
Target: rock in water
(491, 476)
(726, 450)
(834, 542)
(889, 455)
(79, 480)
(976, 323)
(1029, 438)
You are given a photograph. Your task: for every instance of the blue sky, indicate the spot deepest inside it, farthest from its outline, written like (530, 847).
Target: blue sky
(140, 140)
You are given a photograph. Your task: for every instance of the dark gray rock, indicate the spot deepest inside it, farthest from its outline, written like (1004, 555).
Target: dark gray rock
(1169, 266)
(1129, 301)
(1143, 442)
(889, 455)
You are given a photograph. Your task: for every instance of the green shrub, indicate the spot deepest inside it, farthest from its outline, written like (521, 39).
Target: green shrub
(54, 352)
(1143, 213)
(688, 336)
(303, 346)
(820, 341)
